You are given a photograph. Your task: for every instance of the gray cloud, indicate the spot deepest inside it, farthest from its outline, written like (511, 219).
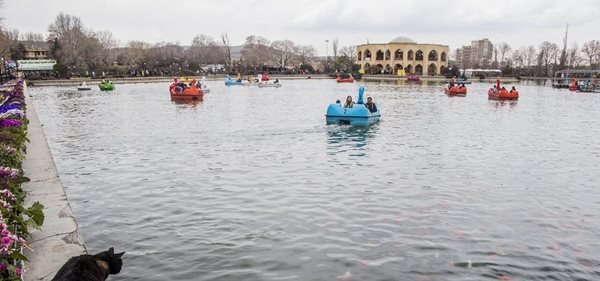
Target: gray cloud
(454, 23)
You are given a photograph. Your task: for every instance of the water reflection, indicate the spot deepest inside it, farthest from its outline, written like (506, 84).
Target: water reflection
(193, 104)
(498, 104)
(342, 139)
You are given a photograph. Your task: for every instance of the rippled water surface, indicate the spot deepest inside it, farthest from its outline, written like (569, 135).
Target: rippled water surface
(250, 184)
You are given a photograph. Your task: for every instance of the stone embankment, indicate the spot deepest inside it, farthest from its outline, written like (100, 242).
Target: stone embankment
(59, 238)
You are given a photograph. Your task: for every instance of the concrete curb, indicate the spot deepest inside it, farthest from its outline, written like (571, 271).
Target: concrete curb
(59, 238)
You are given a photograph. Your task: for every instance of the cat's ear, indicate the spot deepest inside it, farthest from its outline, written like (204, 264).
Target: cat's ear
(111, 251)
(119, 255)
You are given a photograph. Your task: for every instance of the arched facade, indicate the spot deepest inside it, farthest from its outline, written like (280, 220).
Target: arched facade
(398, 55)
(398, 67)
(419, 69)
(403, 53)
(433, 56)
(432, 69)
(419, 55)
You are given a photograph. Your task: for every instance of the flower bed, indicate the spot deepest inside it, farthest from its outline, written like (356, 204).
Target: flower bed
(15, 220)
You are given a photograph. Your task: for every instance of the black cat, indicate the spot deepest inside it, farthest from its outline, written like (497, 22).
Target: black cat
(90, 267)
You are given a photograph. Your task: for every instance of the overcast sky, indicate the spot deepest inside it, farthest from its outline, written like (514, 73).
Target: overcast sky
(454, 23)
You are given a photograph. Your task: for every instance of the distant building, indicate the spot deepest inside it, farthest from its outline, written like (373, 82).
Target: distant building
(35, 50)
(402, 53)
(478, 54)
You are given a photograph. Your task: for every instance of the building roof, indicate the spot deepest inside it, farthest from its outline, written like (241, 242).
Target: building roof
(402, 39)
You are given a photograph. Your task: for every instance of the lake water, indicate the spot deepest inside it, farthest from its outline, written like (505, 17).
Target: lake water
(250, 184)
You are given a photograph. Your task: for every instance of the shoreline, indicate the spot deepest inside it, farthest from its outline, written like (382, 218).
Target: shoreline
(156, 79)
(59, 239)
(220, 77)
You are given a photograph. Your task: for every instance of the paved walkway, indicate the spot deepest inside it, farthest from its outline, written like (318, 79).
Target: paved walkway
(59, 238)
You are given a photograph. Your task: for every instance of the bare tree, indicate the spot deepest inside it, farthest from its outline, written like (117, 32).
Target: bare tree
(573, 57)
(256, 51)
(72, 38)
(591, 50)
(227, 51)
(504, 50)
(305, 53)
(495, 52)
(8, 38)
(349, 51)
(285, 49)
(548, 53)
(204, 50)
(530, 56)
(107, 43)
(518, 57)
(347, 59)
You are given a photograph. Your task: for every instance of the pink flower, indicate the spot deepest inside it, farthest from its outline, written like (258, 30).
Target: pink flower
(3, 266)
(6, 241)
(19, 271)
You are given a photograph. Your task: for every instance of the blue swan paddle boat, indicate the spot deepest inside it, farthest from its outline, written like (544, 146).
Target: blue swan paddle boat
(358, 115)
(229, 82)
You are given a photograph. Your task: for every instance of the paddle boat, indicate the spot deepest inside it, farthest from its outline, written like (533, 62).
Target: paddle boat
(229, 82)
(189, 93)
(455, 88)
(348, 79)
(497, 93)
(84, 87)
(357, 115)
(573, 87)
(586, 87)
(203, 85)
(413, 78)
(261, 83)
(106, 86)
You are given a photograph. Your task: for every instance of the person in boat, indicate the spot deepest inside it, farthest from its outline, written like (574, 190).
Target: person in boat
(173, 84)
(512, 90)
(276, 81)
(371, 105)
(349, 103)
(338, 102)
(180, 87)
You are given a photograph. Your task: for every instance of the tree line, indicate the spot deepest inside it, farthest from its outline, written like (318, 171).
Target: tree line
(83, 51)
(543, 60)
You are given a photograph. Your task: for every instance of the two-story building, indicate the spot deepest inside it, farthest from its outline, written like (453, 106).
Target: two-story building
(402, 53)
